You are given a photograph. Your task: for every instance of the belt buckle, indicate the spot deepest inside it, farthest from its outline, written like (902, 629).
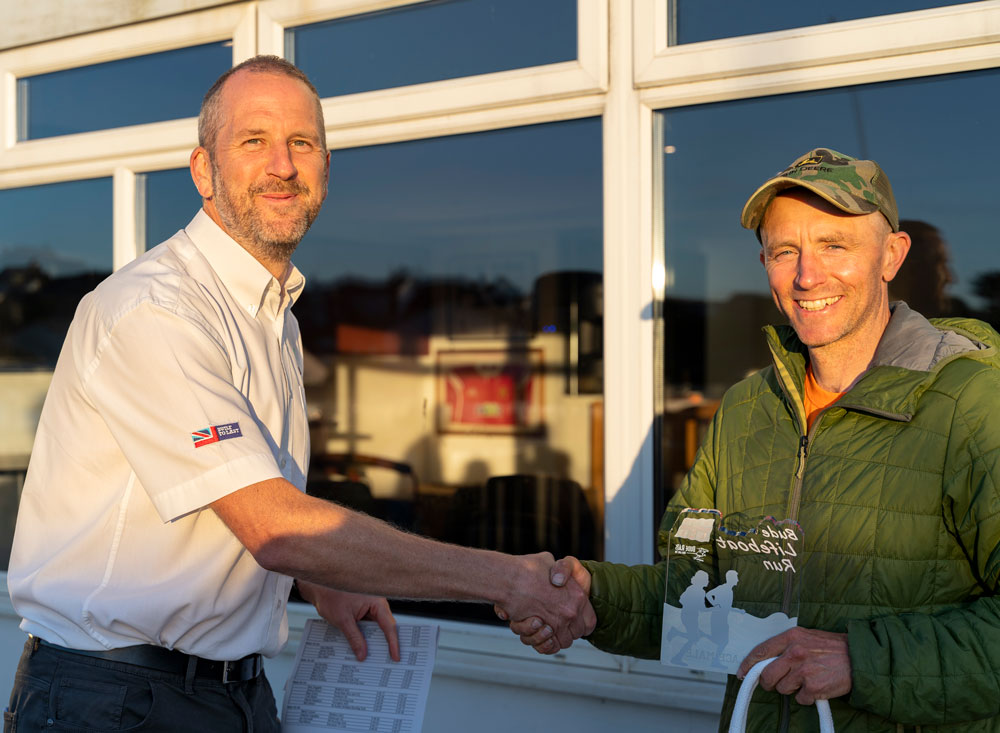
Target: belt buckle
(237, 668)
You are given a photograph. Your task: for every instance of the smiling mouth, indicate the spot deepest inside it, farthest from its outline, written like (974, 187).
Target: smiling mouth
(817, 305)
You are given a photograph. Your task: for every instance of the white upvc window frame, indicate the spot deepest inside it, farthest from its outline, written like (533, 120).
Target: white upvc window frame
(909, 34)
(470, 103)
(99, 153)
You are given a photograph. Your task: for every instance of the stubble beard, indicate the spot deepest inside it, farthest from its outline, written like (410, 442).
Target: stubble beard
(275, 239)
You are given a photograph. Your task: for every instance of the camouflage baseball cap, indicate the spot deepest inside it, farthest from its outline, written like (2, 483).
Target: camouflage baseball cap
(852, 185)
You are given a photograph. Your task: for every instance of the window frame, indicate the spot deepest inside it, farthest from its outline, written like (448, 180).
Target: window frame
(100, 150)
(398, 112)
(911, 36)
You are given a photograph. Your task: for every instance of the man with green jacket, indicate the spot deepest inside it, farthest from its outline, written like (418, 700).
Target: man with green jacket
(877, 431)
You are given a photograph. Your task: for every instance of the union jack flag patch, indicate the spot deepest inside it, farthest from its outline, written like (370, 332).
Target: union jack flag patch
(215, 433)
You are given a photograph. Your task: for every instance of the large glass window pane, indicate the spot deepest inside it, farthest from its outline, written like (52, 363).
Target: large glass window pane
(928, 134)
(431, 41)
(55, 246)
(453, 317)
(705, 20)
(159, 86)
(174, 199)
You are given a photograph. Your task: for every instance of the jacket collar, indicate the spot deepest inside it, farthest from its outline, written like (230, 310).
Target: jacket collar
(910, 352)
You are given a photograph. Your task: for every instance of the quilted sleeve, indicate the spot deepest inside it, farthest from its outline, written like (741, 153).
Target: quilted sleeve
(929, 669)
(628, 600)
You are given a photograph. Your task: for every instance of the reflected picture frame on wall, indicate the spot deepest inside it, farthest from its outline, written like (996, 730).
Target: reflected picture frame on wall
(490, 391)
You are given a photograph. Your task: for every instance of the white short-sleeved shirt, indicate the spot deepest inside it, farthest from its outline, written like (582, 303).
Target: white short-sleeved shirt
(180, 381)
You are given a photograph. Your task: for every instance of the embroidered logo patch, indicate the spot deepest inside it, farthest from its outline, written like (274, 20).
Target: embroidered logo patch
(215, 433)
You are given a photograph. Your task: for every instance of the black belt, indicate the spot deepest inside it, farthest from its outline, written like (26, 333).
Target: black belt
(174, 662)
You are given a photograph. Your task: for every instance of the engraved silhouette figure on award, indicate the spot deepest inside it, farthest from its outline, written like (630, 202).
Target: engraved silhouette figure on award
(721, 600)
(708, 622)
(692, 603)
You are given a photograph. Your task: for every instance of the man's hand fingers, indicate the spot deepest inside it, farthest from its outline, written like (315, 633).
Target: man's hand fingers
(549, 646)
(501, 614)
(565, 609)
(352, 632)
(561, 571)
(810, 664)
(344, 610)
(772, 647)
(527, 626)
(381, 614)
(543, 635)
(566, 568)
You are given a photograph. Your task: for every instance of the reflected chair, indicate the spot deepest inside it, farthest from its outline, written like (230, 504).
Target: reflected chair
(523, 513)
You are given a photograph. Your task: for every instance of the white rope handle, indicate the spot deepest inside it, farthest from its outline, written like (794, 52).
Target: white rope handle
(738, 723)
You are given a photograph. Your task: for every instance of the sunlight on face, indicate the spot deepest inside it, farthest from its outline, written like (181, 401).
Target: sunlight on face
(269, 166)
(828, 271)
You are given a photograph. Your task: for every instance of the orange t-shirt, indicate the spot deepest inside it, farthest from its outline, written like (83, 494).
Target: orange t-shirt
(815, 397)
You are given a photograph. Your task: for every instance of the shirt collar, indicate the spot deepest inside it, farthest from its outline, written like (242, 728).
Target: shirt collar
(246, 278)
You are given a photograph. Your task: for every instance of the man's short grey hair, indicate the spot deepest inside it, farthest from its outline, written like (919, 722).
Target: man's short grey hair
(209, 119)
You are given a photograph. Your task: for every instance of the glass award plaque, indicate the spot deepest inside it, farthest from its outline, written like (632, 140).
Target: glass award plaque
(732, 582)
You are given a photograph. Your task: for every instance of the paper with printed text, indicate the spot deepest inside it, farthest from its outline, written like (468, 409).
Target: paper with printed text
(330, 690)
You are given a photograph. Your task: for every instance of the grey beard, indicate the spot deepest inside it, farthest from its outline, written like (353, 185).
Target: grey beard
(246, 225)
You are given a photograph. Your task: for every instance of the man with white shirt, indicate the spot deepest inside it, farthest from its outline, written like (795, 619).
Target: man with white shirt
(163, 517)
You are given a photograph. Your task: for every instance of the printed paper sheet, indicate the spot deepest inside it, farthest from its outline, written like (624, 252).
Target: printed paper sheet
(330, 690)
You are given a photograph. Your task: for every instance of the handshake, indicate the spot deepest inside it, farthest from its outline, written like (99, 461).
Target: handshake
(550, 608)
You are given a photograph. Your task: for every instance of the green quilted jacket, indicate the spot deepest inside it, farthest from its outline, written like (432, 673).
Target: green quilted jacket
(897, 489)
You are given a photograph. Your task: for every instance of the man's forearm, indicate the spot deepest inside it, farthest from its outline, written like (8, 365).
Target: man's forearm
(325, 543)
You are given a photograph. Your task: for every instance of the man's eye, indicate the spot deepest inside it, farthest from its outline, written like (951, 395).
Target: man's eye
(253, 141)
(301, 144)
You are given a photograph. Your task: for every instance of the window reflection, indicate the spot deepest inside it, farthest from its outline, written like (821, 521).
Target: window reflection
(161, 86)
(453, 329)
(47, 263)
(453, 308)
(929, 134)
(174, 201)
(432, 41)
(705, 20)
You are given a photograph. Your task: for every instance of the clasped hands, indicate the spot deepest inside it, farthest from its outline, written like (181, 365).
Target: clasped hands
(551, 631)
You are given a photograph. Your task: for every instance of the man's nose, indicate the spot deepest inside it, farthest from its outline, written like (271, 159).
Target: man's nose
(280, 164)
(810, 272)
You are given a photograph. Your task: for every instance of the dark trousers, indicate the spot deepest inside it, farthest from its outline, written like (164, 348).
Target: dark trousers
(56, 690)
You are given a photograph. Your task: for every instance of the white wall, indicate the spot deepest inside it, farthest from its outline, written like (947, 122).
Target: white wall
(42, 20)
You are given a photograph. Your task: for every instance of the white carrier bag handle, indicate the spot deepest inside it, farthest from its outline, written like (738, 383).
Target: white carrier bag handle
(738, 723)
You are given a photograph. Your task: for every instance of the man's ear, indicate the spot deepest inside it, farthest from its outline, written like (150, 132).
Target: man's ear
(326, 185)
(201, 172)
(896, 246)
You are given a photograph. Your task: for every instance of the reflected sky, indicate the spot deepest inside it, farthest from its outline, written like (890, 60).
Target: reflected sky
(932, 136)
(508, 204)
(432, 41)
(151, 88)
(705, 20)
(171, 202)
(64, 227)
